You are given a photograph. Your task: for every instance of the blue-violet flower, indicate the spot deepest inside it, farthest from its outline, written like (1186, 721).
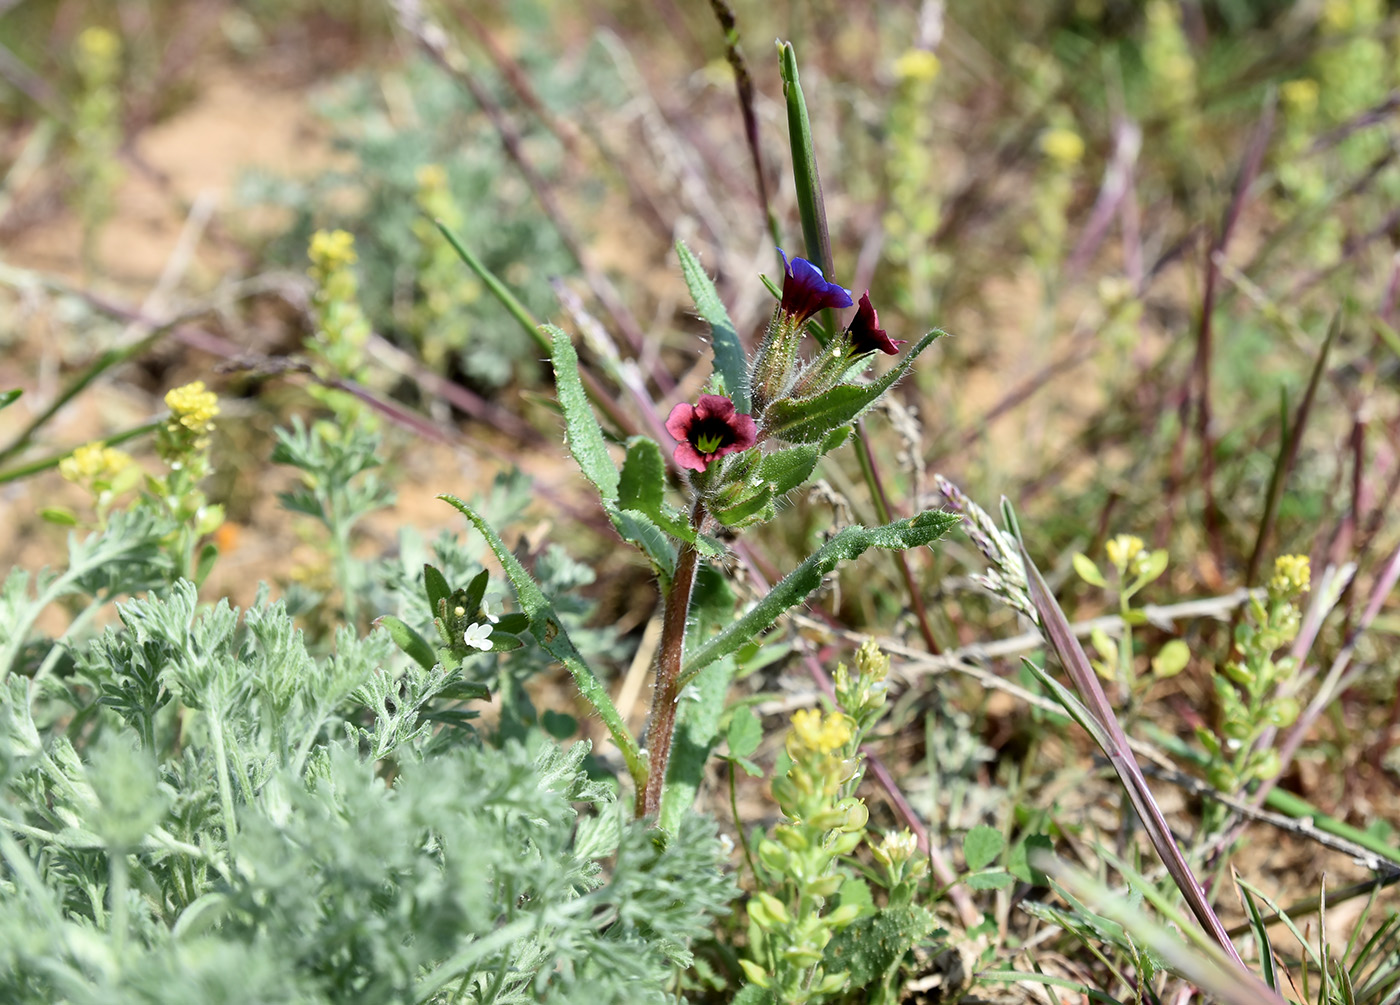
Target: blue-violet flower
(806, 291)
(708, 430)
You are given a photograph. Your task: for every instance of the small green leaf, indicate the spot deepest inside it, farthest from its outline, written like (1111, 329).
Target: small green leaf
(751, 509)
(208, 555)
(730, 362)
(809, 421)
(982, 846)
(586, 441)
(643, 482)
(997, 879)
(470, 599)
(8, 398)
(61, 515)
(559, 725)
(873, 947)
(504, 642)
(435, 586)
(1088, 571)
(745, 732)
(1155, 565)
(1171, 659)
(512, 623)
(409, 641)
(465, 690)
(1022, 853)
(638, 528)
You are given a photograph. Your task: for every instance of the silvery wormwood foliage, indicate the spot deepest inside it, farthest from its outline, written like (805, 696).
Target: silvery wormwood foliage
(191, 815)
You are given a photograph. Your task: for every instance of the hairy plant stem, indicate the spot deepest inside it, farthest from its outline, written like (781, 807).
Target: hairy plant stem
(669, 656)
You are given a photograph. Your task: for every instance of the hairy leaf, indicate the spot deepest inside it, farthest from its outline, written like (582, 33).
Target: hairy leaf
(850, 543)
(730, 362)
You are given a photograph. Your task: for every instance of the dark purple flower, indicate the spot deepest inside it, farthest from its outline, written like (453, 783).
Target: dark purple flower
(866, 333)
(806, 291)
(708, 430)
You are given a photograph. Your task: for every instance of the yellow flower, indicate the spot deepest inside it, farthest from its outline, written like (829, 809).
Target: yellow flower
(917, 64)
(1123, 549)
(332, 249)
(1063, 146)
(1300, 96)
(94, 462)
(192, 407)
(99, 48)
(1292, 575)
(817, 733)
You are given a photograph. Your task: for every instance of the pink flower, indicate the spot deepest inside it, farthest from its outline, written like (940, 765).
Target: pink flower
(708, 430)
(866, 333)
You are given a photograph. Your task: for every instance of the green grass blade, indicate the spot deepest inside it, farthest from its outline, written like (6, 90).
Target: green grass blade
(810, 205)
(498, 289)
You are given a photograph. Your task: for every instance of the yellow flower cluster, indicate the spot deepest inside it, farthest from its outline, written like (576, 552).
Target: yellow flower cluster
(186, 433)
(332, 250)
(193, 407)
(815, 733)
(1063, 146)
(917, 64)
(1292, 575)
(97, 54)
(94, 462)
(1123, 549)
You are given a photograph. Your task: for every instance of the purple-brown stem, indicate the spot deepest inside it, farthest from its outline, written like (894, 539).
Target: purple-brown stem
(668, 670)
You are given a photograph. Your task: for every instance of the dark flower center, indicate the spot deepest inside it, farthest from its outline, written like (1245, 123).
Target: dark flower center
(708, 435)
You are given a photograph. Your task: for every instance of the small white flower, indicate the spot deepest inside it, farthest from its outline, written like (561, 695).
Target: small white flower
(486, 603)
(478, 636)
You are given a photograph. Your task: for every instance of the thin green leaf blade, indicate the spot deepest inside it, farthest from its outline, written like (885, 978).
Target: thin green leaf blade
(810, 204)
(586, 441)
(850, 543)
(552, 637)
(730, 362)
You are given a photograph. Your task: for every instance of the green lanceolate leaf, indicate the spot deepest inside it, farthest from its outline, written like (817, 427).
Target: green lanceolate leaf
(750, 509)
(409, 641)
(643, 482)
(730, 362)
(809, 421)
(787, 469)
(850, 543)
(638, 528)
(549, 632)
(586, 441)
(642, 487)
(435, 586)
(697, 734)
(8, 398)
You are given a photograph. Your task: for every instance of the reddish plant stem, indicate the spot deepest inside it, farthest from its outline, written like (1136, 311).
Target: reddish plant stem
(668, 670)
